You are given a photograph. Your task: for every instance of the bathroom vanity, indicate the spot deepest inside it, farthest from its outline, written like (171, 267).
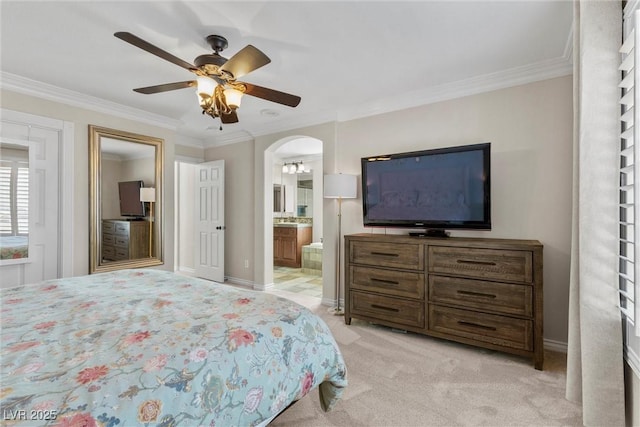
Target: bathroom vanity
(288, 240)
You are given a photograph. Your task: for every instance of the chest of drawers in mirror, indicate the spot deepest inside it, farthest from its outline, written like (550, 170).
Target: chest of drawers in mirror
(483, 292)
(124, 240)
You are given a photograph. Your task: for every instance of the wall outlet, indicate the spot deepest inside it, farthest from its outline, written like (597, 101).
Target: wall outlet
(246, 263)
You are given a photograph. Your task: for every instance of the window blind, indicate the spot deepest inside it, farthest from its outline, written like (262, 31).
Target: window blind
(6, 227)
(629, 190)
(14, 198)
(22, 199)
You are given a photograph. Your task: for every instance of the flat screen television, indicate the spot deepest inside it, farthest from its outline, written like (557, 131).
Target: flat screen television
(437, 189)
(130, 204)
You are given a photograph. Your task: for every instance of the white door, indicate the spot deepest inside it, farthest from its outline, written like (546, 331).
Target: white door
(43, 249)
(209, 221)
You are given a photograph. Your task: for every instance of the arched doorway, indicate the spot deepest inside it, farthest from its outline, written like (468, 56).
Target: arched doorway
(295, 164)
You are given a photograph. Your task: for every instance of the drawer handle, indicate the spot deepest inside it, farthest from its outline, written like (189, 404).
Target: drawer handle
(476, 294)
(475, 325)
(382, 307)
(468, 261)
(385, 254)
(386, 282)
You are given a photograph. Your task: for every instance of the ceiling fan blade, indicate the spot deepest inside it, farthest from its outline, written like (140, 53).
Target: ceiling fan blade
(144, 45)
(165, 87)
(272, 95)
(245, 61)
(232, 117)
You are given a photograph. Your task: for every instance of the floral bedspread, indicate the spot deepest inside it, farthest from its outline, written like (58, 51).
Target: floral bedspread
(148, 347)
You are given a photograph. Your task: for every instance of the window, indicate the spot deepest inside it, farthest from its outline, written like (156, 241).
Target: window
(14, 196)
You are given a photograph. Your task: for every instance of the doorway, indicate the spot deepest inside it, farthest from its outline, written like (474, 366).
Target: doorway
(297, 172)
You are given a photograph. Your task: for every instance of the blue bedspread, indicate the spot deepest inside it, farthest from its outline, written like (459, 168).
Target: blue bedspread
(147, 347)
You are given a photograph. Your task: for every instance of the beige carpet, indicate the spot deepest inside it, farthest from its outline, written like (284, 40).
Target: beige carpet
(398, 379)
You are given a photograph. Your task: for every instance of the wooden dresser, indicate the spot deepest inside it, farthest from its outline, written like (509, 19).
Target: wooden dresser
(124, 239)
(483, 292)
(288, 242)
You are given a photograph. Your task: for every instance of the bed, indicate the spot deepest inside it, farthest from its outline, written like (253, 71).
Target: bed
(149, 347)
(14, 247)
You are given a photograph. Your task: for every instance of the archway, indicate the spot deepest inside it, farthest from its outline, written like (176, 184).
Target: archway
(293, 150)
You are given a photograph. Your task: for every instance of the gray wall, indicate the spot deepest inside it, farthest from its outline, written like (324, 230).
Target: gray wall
(530, 128)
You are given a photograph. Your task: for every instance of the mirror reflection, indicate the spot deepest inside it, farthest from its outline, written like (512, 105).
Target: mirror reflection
(14, 202)
(304, 204)
(293, 190)
(126, 171)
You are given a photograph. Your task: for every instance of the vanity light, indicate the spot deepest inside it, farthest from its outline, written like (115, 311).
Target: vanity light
(294, 167)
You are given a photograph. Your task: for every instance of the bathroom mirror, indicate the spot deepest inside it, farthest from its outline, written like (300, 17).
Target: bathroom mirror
(125, 193)
(304, 208)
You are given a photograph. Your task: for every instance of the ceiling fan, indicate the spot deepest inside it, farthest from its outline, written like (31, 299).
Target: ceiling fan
(218, 89)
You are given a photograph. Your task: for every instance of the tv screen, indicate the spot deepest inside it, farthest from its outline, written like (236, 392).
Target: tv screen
(130, 204)
(442, 188)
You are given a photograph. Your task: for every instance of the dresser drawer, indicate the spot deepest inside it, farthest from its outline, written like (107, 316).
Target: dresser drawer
(380, 254)
(108, 252)
(107, 239)
(285, 231)
(396, 310)
(490, 328)
(482, 295)
(121, 253)
(121, 241)
(108, 226)
(496, 264)
(121, 228)
(397, 283)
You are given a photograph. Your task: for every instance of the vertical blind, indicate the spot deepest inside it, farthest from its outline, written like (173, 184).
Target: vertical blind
(629, 191)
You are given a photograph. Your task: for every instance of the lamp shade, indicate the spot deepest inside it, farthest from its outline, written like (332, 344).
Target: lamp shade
(233, 97)
(206, 86)
(148, 194)
(340, 186)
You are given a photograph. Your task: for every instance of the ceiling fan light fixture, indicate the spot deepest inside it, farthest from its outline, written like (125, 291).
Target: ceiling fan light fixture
(205, 86)
(233, 97)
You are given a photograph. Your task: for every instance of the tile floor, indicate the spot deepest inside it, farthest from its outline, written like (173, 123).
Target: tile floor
(293, 280)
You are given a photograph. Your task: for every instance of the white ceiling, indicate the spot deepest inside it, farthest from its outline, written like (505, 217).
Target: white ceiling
(345, 59)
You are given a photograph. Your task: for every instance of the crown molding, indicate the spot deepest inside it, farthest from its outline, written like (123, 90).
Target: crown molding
(557, 67)
(486, 83)
(549, 69)
(49, 92)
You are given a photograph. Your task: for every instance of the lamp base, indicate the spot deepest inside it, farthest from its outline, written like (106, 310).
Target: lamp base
(336, 311)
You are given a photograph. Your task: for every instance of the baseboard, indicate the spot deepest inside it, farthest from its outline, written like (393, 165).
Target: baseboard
(553, 345)
(239, 282)
(330, 302)
(264, 287)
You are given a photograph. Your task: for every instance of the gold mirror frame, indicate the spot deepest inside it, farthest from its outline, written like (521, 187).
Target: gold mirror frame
(96, 263)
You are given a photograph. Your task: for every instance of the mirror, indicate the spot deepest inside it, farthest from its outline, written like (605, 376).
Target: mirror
(14, 202)
(125, 191)
(304, 206)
